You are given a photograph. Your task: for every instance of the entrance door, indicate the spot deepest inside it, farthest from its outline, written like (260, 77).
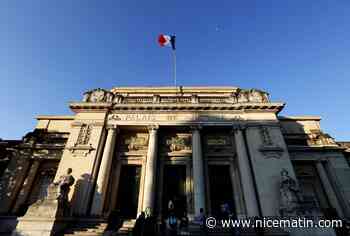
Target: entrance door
(220, 188)
(128, 192)
(174, 189)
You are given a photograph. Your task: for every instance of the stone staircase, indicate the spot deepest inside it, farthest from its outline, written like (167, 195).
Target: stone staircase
(98, 227)
(84, 228)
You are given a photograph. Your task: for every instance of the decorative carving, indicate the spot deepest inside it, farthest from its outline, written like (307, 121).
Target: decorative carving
(271, 152)
(178, 143)
(290, 197)
(240, 95)
(118, 99)
(218, 143)
(156, 98)
(137, 142)
(84, 134)
(98, 95)
(268, 148)
(317, 137)
(265, 136)
(81, 150)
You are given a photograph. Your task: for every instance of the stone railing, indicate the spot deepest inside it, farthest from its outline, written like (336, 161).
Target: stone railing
(239, 96)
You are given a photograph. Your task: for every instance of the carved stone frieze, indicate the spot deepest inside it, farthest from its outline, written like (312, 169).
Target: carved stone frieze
(237, 96)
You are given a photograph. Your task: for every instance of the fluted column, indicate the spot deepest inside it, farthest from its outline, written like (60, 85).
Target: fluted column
(245, 171)
(198, 171)
(104, 171)
(329, 189)
(151, 169)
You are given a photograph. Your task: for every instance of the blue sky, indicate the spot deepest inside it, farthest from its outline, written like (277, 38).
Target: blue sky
(53, 51)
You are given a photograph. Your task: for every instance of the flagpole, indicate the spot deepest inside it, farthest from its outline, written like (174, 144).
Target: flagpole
(174, 58)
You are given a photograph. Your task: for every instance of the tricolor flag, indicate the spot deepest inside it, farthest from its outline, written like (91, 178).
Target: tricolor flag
(167, 40)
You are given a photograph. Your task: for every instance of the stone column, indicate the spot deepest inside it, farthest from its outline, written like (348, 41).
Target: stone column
(198, 173)
(104, 172)
(150, 170)
(245, 171)
(329, 189)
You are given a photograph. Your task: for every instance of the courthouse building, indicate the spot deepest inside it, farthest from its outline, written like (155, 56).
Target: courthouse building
(133, 148)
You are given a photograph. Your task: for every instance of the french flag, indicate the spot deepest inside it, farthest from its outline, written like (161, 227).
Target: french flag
(167, 40)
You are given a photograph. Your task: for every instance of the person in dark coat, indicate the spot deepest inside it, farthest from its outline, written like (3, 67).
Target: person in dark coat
(150, 223)
(138, 229)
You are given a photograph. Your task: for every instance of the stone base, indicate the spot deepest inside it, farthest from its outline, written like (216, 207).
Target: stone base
(7, 224)
(38, 226)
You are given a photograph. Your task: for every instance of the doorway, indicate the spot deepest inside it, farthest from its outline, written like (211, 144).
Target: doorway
(174, 189)
(128, 191)
(220, 186)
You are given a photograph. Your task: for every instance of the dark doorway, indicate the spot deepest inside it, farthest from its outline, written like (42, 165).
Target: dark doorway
(128, 192)
(174, 189)
(220, 188)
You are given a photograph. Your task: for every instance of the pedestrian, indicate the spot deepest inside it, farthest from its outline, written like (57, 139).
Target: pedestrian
(139, 225)
(184, 224)
(172, 224)
(201, 221)
(150, 223)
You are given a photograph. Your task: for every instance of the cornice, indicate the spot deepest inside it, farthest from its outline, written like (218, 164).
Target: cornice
(275, 107)
(89, 106)
(54, 117)
(295, 148)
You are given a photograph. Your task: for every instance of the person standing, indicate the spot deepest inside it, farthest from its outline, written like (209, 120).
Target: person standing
(201, 221)
(138, 229)
(172, 224)
(184, 224)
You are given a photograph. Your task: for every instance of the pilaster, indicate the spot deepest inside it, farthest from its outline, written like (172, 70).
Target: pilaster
(247, 179)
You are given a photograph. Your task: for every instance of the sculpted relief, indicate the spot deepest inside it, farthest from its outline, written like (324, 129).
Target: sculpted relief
(218, 143)
(134, 142)
(316, 137)
(176, 143)
(98, 95)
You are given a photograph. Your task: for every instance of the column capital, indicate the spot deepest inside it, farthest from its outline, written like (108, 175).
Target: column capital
(321, 160)
(196, 127)
(113, 127)
(238, 127)
(154, 127)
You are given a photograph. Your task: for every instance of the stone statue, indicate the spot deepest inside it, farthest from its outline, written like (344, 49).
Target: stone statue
(86, 96)
(255, 96)
(242, 96)
(289, 195)
(64, 184)
(109, 97)
(98, 95)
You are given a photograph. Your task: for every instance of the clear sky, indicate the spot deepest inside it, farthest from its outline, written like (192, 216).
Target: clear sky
(53, 51)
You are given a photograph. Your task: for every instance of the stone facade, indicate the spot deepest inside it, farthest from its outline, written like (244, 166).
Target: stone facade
(196, 146)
